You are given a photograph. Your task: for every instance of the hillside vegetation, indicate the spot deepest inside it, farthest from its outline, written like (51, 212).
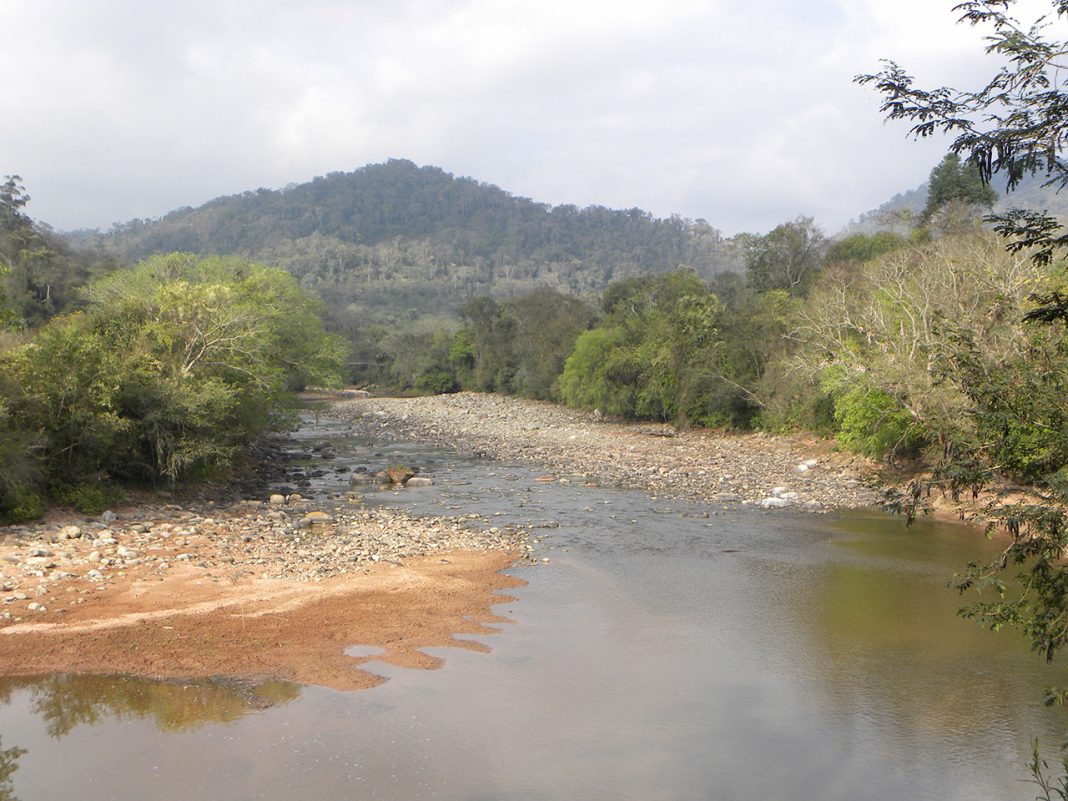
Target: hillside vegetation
(397, 241)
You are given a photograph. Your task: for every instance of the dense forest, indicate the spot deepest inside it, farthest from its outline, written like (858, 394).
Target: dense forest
(395, 241)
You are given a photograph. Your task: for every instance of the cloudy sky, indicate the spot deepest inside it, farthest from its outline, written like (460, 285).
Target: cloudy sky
(742, 113)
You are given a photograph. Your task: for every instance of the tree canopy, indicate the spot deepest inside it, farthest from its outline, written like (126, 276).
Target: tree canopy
(956, 182)
(170, 369)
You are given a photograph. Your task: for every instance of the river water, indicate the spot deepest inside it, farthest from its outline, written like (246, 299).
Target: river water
(666, 651)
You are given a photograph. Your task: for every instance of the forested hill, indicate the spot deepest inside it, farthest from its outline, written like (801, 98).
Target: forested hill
(400, 236)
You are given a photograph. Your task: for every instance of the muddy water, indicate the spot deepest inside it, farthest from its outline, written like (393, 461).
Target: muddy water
(666, 651)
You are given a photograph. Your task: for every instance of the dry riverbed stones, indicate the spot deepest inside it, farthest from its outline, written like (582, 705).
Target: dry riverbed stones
(47, 569)
(714, 467)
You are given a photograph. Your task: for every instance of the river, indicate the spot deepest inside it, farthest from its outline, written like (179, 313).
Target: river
(666, 650)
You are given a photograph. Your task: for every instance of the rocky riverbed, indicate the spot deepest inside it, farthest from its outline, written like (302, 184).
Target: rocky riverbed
(716, 467)
(276, 585)
(49, 569)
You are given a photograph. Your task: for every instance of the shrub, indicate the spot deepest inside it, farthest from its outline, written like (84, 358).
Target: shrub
(436, 381)
(874, 423)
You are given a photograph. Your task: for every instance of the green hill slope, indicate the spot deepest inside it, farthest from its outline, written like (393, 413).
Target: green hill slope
(404, 241)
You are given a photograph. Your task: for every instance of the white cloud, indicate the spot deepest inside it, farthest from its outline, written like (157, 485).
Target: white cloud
(743, 114)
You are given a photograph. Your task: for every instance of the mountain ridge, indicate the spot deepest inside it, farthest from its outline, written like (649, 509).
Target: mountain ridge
(421, 240)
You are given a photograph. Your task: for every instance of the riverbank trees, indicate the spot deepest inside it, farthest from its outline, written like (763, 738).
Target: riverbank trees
(1014, 126)
(169, 370)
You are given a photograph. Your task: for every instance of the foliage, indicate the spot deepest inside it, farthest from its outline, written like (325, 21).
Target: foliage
(87, 498)
(872, 421)
(861, 248)
(785, 258)
(654, 355)
(1014, 126)
(518, 345)
(390, 243)
(954, 182)
(1051, 788)
(1017, 401)
(887, 325)
(586, 380)
(39, 273)
(171, 368)
(436, 381)
(20, 462)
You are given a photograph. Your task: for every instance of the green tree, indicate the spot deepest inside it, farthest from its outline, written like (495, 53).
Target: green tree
(655, 354)
(785, 258)
(861, 248)
(172, 368)
(519, 344)
(955, 182)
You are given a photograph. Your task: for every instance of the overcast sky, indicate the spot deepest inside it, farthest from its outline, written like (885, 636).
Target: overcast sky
(741, 113)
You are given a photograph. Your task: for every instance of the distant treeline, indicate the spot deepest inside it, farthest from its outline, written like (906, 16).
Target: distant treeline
(900, 344)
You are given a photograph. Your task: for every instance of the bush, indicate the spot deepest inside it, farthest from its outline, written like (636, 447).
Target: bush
(874, 423)
(436, 382)
(170, 370)
(89, 499)
(27, 506)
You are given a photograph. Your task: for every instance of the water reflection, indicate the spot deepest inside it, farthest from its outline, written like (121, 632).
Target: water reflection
(8, 765)
(876, 625)
(64, 702)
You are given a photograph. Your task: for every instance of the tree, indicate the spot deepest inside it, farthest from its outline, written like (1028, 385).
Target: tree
(786, 257)
(654, 355)
(172, 368)
(1016, 125)
(39, 273)
(959, 183)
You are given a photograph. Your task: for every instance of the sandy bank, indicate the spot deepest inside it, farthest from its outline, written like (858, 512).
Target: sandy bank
(252, 591)
(193, 626)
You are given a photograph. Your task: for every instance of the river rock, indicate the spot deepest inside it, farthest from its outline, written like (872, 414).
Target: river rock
(774, 503)
(419, 481)
(399, 475)
(277, 500)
